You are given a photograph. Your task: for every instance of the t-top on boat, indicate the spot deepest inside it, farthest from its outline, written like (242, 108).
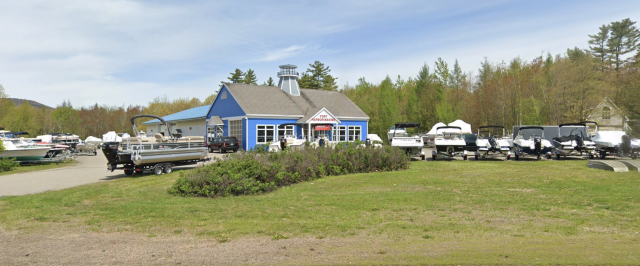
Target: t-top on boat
(157, 153)
(530, 140)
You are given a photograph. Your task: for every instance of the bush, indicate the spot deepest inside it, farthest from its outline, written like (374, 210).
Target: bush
(253, 173)
(8, 164)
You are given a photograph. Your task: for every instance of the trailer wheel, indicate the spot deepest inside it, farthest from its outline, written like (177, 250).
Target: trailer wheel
(517, 157)
(476, 156)
(157, 169)
(128, 171)
(464, 158)
(168, 169)
(557, 156)
(433, 157)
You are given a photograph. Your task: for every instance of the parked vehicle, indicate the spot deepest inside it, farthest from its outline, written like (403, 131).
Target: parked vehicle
(491, 142)
(535, 144)
(398, 137)
(449, 143)
(572, 139)
(158, 153)
(224, 144)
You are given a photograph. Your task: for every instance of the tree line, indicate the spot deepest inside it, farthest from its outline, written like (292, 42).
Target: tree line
(317, 77)
(548, 90)
(86, 121)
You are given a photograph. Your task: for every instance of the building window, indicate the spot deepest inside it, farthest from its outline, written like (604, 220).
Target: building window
(606, 113)
(235, 130)
(354, 133)
(287, 130)
(223, 95)
(265, 133)
(339, 133)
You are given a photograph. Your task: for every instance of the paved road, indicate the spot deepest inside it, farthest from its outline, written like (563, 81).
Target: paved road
(90, 169)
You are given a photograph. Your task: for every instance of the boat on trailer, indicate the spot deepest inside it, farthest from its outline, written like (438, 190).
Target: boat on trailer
(535, 144)
(398, 137)
(573, 138)
(449, 143)
(492, 144)
(158, 153)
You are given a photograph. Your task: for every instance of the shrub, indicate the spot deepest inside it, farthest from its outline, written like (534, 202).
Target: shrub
(8, 164)
(257, 172)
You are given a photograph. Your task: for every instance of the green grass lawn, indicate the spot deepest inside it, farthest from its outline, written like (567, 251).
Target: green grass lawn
(535, 212)
(37, 167)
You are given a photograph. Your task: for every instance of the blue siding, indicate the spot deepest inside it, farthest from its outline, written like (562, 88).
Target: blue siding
(363, 127)
(254, 122)
(253, 134)
(225, 107)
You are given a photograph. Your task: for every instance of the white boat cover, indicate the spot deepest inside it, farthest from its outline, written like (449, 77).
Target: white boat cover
(466, 128)
(433, 129)
(111, 136)
(92, 139)
(609, 138)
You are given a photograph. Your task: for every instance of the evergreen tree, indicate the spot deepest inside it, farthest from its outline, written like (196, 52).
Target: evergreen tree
(317, 72)
(329, 83)
(305, 81)
(236, 76)
(598, 45)
(623, 40)
(250, 77)
(269, 82)
(457, 76)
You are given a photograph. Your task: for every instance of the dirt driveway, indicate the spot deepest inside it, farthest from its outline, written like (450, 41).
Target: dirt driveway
(90, 169)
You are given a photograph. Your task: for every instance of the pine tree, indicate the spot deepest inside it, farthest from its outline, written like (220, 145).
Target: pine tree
(329, 83)
(236, 76)
(305, 81)
(250, 77)
(269, 82)
(598, 46)
(623, 40)
(317, 72)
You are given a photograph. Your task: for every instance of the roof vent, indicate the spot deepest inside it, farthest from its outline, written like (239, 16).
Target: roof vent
(289, 79)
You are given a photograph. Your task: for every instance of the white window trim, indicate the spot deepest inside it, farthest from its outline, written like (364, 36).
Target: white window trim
(353, 129)
(293, 130)
(275, 131)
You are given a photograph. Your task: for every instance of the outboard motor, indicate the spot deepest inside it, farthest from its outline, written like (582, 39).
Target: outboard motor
(321, 142)
(538, 145)
(494, 144)
(626, 144)
(110, 150)
(580, 141)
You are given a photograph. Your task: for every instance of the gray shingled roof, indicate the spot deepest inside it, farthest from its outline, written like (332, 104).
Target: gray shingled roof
(267, 100)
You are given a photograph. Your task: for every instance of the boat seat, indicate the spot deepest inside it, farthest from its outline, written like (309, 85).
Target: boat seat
(565, 138)
(159, 138)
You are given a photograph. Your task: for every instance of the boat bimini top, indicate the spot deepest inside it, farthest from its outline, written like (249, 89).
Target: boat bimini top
(135, 129)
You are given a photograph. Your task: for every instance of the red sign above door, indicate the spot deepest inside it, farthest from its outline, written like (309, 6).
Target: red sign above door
(323, 127)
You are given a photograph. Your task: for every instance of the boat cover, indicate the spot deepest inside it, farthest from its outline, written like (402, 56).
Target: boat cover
(466, 128)
(436, 126)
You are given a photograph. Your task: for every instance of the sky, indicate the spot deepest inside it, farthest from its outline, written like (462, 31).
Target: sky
(127, 52)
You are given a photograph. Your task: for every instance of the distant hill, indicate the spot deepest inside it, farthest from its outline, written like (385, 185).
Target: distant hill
(35, 104)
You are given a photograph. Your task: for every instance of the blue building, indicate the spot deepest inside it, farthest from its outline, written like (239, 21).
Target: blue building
(261, 114)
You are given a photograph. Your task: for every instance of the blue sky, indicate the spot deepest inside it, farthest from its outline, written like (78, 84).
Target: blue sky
(122, 52)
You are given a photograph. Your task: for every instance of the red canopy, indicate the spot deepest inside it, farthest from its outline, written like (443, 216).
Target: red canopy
(323, 127)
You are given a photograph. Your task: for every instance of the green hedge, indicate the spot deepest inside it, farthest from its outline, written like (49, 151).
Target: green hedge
(257, 172)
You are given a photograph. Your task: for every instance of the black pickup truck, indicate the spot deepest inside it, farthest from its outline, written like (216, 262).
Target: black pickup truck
(224, 144)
